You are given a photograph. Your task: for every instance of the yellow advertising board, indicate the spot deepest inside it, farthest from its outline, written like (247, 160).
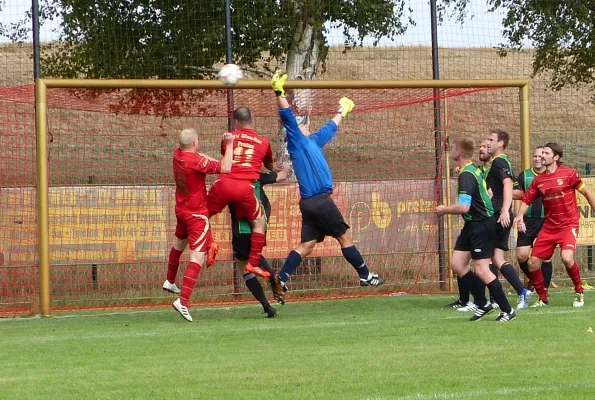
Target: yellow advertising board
(87, 224)
(586, 233)
(109, 224)
(128, 224)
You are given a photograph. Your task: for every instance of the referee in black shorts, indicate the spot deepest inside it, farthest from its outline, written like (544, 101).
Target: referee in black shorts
(476, 241)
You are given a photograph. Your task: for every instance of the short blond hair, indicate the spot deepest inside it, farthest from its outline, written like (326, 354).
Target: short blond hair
(465, 146)
(187, 138)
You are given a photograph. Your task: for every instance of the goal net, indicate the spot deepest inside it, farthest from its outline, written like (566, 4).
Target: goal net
(111, 193)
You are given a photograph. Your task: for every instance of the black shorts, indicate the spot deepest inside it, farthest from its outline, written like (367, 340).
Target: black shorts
(240, 243)
(533, 227)
(502, 233)
(321, 217)
(477, 237)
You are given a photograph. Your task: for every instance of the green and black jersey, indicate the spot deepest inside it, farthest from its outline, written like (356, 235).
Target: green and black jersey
(524, 179)
(471, 183)
(499, 170)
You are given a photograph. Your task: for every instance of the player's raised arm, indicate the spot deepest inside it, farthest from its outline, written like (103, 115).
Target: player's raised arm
(325, 134)
(294, 134)
(268, 159)
(227, 159)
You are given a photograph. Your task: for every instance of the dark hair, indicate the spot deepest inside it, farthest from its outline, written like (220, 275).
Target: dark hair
(502, 136)
(466, 146)
(556, 149)
(242, 115)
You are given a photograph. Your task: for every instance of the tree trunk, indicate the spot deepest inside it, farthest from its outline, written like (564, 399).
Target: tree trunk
(302, 63)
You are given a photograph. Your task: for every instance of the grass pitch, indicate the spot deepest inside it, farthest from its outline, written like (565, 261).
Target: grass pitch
(405, 347)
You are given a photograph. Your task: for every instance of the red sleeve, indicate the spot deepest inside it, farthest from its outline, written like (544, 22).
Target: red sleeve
(268, 158)
(207, 166)
(531, 194)
(575, 181)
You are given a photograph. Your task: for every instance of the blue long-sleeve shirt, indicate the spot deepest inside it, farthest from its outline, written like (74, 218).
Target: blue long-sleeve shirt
(309, 163)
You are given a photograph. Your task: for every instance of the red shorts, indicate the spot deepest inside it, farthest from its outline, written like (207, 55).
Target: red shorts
(546, 242)
(237, 193)
(195, 228)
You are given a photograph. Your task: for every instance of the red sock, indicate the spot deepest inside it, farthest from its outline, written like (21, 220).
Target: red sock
(256, 245)
(190, 276)
(173, 264)
(575, 274)
(537, 279)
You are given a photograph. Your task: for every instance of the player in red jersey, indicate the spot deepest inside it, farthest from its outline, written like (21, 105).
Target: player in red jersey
(556, 186)
(250, 152)
(192, 228)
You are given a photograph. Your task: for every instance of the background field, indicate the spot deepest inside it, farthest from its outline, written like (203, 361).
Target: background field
(405, 347)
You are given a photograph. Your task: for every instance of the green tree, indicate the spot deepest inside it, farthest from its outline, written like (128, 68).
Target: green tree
(562, 33)
(183, 39)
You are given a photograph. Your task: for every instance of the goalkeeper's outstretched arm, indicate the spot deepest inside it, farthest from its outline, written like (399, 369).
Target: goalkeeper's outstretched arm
(294, 134)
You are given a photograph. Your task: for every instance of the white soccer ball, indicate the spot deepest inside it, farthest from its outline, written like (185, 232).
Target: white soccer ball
(230, 74)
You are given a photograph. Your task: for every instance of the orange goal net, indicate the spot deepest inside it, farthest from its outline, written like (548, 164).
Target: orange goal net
(111, 193)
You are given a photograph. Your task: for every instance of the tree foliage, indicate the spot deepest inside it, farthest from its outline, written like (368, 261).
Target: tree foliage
(183, 39)
(562, 33)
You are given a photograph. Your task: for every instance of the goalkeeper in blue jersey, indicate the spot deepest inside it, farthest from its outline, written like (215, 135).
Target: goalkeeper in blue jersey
(320, 215)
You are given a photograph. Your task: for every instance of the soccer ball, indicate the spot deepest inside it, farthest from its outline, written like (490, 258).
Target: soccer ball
(230, 74)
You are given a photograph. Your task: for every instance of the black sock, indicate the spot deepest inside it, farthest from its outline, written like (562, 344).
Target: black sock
(495, 288)
(513, 278)
(264, 264)
(353, 256)
(547, 270)
(256, 289)
(494, 271)
(291, 264)
(525, 268)
(475, 286)
(463, 290)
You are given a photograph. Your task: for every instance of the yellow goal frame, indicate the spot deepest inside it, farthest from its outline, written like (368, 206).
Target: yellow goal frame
(41, 86)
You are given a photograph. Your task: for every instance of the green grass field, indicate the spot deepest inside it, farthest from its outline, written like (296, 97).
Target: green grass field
(405, 347)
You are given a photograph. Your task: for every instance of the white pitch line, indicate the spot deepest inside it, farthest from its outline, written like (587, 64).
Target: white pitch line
(485, 392)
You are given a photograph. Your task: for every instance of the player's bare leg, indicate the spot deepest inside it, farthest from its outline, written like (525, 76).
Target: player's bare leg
(197, 260)
(522, 257)
(257, 241)
(574, 273)
(353, 256)
(173, 265)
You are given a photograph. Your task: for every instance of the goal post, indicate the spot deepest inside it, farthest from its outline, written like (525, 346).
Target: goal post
(41, 122)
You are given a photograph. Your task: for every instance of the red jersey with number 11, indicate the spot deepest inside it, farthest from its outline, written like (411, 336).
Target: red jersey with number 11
(558, 191)
(250, 150)
(190, 170)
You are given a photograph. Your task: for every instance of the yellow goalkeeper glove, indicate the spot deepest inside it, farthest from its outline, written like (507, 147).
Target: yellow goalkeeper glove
(277, 83)
(345, 106)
